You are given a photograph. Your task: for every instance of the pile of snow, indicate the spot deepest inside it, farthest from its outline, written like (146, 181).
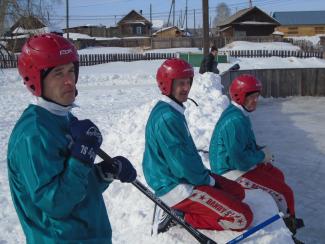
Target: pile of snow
(245, 45)
(76, 36)
(277, 63)
(312, 39)
(104, 50)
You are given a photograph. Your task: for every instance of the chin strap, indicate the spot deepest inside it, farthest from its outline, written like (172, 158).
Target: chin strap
(193, 101)
(249, 111)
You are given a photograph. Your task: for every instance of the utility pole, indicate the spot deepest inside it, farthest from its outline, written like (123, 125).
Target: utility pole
(67, 17)
(194, 21)
(250, 4)
(151, 19)
(186, 16)
(172, 6)
(206, 42)
(173, 12)
(3, 12)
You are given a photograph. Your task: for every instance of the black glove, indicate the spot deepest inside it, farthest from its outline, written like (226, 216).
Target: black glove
(86, 140)
(121, 169)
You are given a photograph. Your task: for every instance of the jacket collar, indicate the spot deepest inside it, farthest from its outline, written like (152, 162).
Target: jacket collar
(240, 107)
(174, 104)
(53, 107)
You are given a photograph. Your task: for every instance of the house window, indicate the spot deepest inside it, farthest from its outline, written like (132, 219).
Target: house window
(138, 30)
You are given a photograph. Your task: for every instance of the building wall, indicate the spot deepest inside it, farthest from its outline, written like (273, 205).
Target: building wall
(169, 33)
(302, 30)
(254, 30)
(130, 30)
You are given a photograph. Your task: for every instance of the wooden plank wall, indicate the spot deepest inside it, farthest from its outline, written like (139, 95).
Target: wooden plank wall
(284, 82)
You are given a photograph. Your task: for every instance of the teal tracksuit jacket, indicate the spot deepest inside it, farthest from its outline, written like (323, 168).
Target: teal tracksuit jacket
(58, 199)
(233, 145)
(170, 156)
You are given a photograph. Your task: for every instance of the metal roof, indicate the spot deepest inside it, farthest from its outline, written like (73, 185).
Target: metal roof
(300, 17)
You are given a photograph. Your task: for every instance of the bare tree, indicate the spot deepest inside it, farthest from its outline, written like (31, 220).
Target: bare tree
(222, 13)
(3, 12)
(12, 10)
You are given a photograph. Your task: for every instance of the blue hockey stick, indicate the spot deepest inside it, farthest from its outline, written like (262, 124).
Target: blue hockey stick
(256, 228)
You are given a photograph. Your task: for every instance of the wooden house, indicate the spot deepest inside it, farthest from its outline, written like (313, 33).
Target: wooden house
(248, 22)
(134, 24)
(24, 24)
(301, 23)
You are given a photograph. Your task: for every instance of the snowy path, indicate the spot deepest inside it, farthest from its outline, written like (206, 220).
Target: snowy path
(294, 129)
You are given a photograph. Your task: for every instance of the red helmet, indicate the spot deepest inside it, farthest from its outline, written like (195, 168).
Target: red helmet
(42, 52)
(243, 85)
(171, 69)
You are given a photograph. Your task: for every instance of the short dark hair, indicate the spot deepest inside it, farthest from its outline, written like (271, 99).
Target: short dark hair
(213, 48)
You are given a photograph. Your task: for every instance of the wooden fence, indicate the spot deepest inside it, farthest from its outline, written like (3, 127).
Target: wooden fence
(270, 53)
(284, 82)
(93, 59)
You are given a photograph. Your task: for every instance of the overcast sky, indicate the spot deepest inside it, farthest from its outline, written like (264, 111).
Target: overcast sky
(108, 12)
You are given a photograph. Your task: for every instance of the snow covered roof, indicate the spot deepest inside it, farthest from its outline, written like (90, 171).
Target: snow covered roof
(134, 22)
(166, 28)
(17, 37)
(255, 23)
(278, 33)
(46, 29)
(75, 36)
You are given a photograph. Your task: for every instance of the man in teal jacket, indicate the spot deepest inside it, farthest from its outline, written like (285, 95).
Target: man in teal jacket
(173, 168)
(235, 155)
(55, 186)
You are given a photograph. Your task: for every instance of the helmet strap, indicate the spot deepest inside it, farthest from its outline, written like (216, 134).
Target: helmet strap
(249, 111)
(192, 100)
(175, 100)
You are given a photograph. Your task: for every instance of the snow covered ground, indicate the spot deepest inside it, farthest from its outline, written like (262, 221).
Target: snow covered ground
(245, 45)
(118, 97)
(237, 45)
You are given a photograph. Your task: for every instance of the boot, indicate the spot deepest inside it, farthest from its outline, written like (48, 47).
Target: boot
(166, 221)
(296, 241)
(293, 223)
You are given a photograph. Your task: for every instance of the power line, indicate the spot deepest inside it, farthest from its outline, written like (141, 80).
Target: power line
(163, 15)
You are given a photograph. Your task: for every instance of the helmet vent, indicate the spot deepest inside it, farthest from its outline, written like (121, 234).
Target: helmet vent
(32, 87)
(26, 78)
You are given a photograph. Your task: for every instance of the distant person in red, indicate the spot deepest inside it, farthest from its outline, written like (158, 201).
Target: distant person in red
(209, 63)
(235, 155)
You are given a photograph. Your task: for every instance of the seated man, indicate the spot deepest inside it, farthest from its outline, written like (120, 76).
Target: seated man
(173, 168)
(235, 155)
